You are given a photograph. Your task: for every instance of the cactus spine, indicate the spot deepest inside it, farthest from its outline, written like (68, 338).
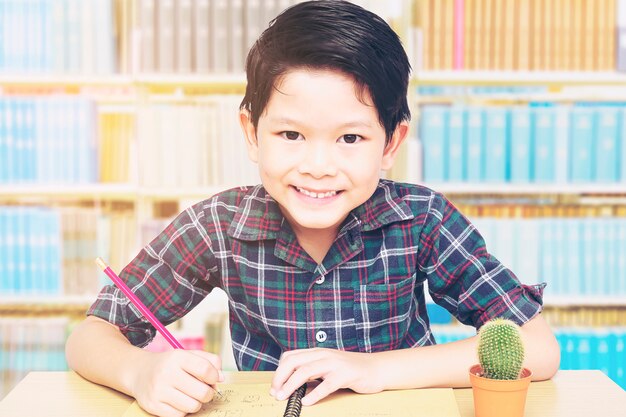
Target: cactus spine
(500, 349)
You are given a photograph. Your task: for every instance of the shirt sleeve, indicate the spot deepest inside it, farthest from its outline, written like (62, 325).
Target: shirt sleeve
(464, 278)
(171, 275)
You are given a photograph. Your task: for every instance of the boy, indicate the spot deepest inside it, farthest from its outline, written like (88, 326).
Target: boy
(324, 264)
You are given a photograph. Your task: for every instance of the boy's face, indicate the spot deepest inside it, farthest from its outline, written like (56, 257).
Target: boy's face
(320, 150)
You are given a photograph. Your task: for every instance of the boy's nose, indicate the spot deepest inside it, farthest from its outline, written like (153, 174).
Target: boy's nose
(318, 161)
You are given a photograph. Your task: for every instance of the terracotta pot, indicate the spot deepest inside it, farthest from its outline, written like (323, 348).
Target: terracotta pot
(499, 398)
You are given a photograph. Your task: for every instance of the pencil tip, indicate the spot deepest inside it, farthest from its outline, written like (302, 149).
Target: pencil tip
(101, 263)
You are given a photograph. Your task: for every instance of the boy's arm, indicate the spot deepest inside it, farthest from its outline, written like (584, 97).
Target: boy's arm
(445, 365)
(98, 351)
(168, 384)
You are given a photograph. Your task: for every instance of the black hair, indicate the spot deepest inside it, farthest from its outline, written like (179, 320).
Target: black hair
(334, 35)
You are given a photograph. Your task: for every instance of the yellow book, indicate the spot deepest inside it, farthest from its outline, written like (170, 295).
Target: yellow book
(590, 33)
(468, 35)
(564, 43)
(522, 35)
(424, 15)
(576, 38)
(548, 34)
(488, 40)
(610, 27)
(508, 34)
(479, 33)
(436, 30)
(448, 34)
(537, 63)
(497, 31)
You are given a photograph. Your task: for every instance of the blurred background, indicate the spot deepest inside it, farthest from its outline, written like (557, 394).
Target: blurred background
(115, 115)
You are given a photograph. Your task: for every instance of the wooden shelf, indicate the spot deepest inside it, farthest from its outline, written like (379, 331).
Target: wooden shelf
(45, 304)
(530, 189)
(123, 192)
(518, 78)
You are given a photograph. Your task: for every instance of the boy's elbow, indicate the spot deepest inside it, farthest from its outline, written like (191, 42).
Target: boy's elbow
(543, 351)
(551, 361)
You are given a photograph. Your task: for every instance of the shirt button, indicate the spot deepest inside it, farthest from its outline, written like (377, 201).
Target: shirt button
(320, 280)
(321, 336)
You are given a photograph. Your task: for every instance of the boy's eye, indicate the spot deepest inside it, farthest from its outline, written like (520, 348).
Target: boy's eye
(350, 138)
(290, 135)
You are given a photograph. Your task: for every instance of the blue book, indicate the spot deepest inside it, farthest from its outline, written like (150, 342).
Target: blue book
(4, 143)
(562, 144)
(570, 357)
(574, 256)
(584, 350)
(4, 260)
(521, 145)
(621, 260)
(600, 258)
(29, 132)
(12, 250)
(621, 151)
(547, 255)
(558, 277)
(496, 144)
(588, 244)
(53, 258)
(434, 132)
(457, 146)
(602, 352)
(620, 362)
(545, 144)
(475, 144)
(2, 59)
(606, 144)
(21, 141)
(581, 144)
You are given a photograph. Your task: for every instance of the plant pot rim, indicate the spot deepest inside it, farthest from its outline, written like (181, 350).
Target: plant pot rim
(479, 381)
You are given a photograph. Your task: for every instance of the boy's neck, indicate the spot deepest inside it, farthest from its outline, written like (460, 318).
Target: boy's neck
(316, 243)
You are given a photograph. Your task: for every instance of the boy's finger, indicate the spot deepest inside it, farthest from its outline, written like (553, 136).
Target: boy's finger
(301, 375)
(182, 401)
(211, 357)
(201, 368)
(320, 392)
(194, 388)
(289, 362)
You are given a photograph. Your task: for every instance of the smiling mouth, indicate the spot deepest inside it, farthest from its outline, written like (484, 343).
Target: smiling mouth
(314, 194)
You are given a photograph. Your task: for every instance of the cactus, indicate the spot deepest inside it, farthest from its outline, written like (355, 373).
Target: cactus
(500, 349)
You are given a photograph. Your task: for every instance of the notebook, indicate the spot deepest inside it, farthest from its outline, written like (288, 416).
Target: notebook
(243, 400)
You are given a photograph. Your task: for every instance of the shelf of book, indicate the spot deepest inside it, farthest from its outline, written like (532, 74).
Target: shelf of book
(45, 305)
(129, 192)
(530, 189)
(450, 77)
(99, 191)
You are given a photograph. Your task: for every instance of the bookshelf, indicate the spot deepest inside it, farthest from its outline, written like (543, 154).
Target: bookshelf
(130, 205)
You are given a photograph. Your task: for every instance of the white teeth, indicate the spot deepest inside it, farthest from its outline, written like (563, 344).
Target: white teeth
(316, 195)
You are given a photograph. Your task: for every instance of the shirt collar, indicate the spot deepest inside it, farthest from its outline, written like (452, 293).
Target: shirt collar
(259, 217)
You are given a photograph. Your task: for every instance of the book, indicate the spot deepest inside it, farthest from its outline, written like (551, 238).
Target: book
(433, 134)
(606, 145)
(496, 144)
(254, 399)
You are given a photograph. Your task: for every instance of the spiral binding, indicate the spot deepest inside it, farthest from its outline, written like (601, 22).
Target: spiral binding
(294, 404)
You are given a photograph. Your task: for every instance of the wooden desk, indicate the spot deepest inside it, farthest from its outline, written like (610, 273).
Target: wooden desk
(66, 394)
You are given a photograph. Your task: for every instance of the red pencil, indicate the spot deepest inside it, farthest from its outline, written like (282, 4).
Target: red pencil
(142, 308)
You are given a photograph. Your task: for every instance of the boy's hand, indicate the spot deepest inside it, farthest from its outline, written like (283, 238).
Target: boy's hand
(174, 383)
(338, 369)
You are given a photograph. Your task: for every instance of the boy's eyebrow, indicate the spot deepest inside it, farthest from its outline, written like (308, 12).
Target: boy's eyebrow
(293, 122)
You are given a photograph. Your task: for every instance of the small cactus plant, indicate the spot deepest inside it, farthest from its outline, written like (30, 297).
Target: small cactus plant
(500, 349)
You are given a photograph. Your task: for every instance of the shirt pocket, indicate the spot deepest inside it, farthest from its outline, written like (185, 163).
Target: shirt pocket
(382, 314)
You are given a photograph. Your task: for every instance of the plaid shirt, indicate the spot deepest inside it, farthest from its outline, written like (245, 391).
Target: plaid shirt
(367, 295)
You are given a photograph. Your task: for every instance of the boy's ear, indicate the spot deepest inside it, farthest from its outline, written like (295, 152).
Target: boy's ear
(249, 132)
(391, 149)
